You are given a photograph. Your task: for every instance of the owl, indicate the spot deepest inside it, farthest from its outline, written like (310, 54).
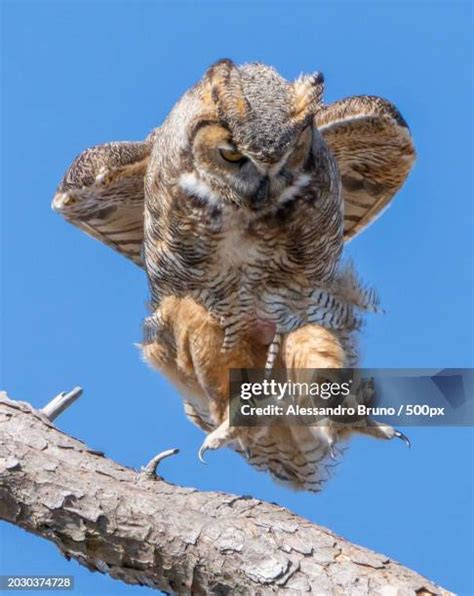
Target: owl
(237, 207)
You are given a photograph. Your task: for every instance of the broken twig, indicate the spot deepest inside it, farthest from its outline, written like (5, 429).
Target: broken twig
(60, 403)
(151, 467)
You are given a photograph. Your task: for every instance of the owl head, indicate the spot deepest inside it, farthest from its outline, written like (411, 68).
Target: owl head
(252, 137)
(247, 136)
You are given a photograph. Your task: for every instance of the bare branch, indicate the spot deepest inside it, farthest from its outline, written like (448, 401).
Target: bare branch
(173, 538)
(60, 403)
(150, 469)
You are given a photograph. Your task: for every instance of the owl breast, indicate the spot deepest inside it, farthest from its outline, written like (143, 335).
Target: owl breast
(245, 266)
(237, 248)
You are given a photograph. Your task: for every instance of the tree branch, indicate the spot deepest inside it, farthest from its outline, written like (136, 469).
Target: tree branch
(142, 530)
(60, 403)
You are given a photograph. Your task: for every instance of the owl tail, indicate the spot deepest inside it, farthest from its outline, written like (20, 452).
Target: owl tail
(297, 456)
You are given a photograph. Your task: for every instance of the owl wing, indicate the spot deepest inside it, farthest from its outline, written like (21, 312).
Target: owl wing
(374, 150)
(102, 193)
(103, 190)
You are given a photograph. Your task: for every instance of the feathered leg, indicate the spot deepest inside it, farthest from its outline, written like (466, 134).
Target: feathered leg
(188, 350)
(314, 347)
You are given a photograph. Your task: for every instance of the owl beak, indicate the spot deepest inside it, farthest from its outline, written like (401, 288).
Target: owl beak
(261, 195)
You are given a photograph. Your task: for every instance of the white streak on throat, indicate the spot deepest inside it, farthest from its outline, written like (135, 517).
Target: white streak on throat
(291, 191)
(193, 186)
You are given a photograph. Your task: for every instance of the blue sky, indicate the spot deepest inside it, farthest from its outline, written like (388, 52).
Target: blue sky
(75, 75)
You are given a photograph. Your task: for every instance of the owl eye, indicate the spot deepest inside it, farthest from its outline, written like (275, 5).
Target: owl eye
(68, 201)
(232, 155)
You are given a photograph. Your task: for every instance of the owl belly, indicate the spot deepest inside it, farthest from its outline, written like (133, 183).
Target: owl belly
(251, 274)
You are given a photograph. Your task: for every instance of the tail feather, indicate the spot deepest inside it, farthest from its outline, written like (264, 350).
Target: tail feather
(297, 456)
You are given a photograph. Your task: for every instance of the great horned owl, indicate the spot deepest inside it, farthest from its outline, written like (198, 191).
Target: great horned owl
(242, 220)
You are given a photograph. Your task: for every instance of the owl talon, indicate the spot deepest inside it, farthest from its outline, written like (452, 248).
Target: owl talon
(383, 431)
(201, 452)
(217, 438)
(403, 437)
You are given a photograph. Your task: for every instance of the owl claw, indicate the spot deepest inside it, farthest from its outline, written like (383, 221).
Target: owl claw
(403, 437)
(216, 439)
(201, 452)
(383, 431)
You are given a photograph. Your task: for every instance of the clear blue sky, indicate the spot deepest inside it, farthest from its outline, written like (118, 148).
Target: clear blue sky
(79, 74)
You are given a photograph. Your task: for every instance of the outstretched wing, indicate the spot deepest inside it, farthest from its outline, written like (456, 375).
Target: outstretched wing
(374, 150)
(103, 191)
(103, 194)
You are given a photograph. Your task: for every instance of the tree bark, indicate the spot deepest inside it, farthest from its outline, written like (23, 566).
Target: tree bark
(143, 530)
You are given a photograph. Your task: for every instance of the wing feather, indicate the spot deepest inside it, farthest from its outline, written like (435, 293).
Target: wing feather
(374, 150)
(102, 193)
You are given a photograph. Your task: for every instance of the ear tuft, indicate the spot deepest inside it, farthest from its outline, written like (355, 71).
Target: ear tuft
(318, 78)
(219, 69)
(225, 86)
(308, 93)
